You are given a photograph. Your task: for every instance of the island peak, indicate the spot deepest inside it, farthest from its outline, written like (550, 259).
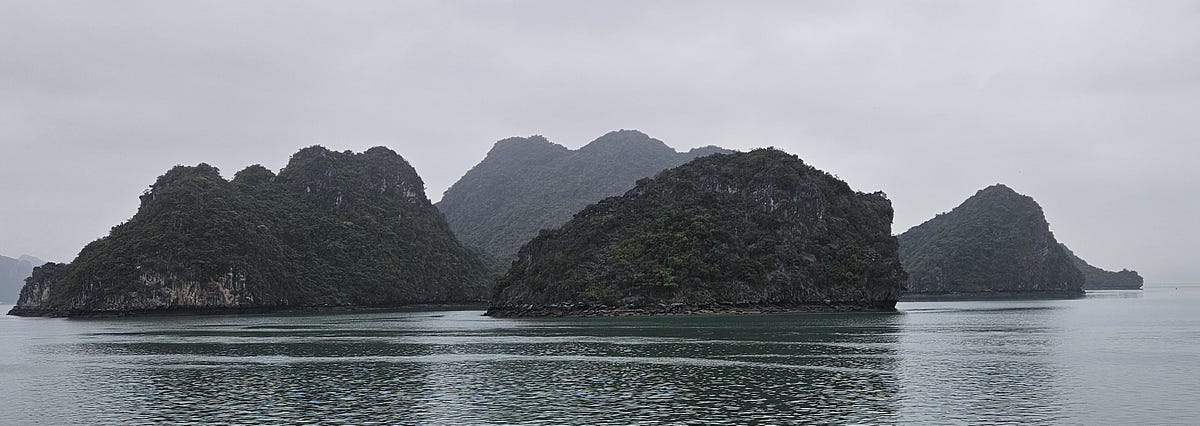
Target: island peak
(997, 243)
(757, 231)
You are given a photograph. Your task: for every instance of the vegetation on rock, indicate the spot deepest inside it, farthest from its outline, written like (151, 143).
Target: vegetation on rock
(525, 185)
(332, 229)
(757, 230)
(996, 242)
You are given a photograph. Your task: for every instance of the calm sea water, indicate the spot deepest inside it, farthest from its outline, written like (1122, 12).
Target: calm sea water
(1111, 358)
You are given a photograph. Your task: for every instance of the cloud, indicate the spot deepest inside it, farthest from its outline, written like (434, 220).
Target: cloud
(1087, 106)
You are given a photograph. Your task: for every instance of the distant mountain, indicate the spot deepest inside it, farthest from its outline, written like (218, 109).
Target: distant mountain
(13, 273)
(332, 229)
(995, 244)
(525, 185)
(758, 231)
(1099, 279)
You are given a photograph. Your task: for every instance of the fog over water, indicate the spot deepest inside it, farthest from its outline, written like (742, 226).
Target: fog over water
(1089, 107)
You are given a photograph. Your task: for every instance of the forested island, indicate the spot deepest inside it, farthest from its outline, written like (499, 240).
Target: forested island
(996, 244)
(756, 231)
(717, 231)
(525, 185)
(332, 229)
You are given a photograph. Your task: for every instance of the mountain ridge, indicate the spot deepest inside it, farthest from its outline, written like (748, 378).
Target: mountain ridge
(525, 185)
(13, 272)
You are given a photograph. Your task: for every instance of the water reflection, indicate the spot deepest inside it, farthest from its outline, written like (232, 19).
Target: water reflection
(457, 367)
(1115, 294)
(987, 362)
(931, 363)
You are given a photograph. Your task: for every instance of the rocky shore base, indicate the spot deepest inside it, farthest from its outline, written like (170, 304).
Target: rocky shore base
(568, 310)
(196, 311)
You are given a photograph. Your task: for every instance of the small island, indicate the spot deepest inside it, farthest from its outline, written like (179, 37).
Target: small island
(743, 232)
(996, 244)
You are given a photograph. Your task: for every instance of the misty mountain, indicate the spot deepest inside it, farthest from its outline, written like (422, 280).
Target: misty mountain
(332, 229)
(996, 243)
(13, 273)
(760, 231)
(1100, 279)
(525, 185)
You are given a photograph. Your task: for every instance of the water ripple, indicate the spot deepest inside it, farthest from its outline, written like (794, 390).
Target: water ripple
(1101, 360)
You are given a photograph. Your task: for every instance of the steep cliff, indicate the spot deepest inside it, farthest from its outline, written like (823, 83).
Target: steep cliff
(332, 229)
(13, 273)
(995, 244)
(1098, 279)
(753, 231)
(525, 185)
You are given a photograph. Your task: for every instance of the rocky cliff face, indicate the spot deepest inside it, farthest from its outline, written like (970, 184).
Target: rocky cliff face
(528, 184)
(757, 231)
(13, 273)
(995, 244)
(332, 229)
(1098, 279)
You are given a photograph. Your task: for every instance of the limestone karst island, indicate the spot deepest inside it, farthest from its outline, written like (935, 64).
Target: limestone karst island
(332, 229)
(759, 230)
(622, 226)
(997, 244)
(549, 212)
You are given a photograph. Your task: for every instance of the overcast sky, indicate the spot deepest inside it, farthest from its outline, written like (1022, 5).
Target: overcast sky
(1091, 107)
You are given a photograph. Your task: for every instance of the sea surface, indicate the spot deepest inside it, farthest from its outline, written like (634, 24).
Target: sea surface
(1114, 357)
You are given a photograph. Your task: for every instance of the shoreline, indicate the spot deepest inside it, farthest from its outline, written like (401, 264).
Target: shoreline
(1114, 288)
(992, 295)
(680, 309)
(237, 311)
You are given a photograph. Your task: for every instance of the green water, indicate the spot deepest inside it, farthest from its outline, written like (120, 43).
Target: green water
(1111, 358)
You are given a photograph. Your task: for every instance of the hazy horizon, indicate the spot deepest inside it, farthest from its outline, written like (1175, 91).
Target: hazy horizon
(1085, 106)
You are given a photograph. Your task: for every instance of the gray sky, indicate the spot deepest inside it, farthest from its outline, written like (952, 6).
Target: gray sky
(1090, 107)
